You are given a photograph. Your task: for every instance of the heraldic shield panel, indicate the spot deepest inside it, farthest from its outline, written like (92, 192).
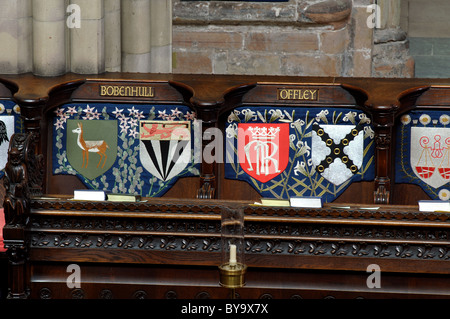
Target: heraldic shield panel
(10, 123)
(298, 151)
(122, 148)
(165, 147)
(423, 152)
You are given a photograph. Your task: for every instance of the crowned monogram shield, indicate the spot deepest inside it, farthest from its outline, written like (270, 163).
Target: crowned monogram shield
(91, 146)
(429, 153)
(337, 151)
(165, 147)
(263, 149)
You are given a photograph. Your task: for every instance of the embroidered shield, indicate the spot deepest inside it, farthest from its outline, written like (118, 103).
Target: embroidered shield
(165, 147)
(91, 146)
(6, 131)
(337, 151)
(429, 153)
(263, 149)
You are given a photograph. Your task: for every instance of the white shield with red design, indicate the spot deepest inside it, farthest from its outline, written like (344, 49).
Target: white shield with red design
(263, 149)
(430, 159)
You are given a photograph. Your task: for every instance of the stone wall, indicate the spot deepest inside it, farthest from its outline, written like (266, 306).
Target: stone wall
(427, 25)
(299, 37)
(390, 55)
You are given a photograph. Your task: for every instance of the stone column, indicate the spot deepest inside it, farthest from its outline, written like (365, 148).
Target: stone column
(136, 36)
(49, 29)
(390, 13)
(161, 36)
(361, 41)
(391, 47)
(113, 47)
(88, 42)
(15, 36)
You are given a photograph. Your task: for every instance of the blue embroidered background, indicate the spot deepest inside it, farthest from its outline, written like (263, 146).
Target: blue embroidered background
(8, 107)
(127, 174)
(299, 178)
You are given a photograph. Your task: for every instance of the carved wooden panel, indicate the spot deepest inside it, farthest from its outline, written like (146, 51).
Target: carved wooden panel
(170, 247)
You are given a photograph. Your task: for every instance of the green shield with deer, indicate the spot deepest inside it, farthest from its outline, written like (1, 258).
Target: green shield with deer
(91, 146)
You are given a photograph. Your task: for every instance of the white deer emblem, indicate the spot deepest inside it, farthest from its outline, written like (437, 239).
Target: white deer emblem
(98, 147)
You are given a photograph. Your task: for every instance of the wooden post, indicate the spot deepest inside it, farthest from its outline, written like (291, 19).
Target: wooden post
(383, 122)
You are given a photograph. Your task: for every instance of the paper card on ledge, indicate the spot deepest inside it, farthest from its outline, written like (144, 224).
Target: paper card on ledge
(306, 202)
(275, 202)
(123, 197)
(89, 194)
(434, 206)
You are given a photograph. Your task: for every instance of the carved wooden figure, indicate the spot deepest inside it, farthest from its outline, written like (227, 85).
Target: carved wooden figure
(16, 204)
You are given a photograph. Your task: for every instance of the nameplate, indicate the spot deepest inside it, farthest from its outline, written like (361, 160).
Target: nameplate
(301, 94)
(127, 91)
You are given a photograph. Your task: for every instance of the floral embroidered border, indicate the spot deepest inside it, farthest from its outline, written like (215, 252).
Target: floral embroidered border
(300, 177)
(126, 174)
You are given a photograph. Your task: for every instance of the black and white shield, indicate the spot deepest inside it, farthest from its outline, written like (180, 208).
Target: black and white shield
(337, 151)
(165, 147)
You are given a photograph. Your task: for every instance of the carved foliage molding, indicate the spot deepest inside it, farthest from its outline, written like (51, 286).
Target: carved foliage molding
(343, 233)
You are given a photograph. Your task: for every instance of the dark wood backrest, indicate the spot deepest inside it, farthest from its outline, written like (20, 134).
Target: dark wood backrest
(299, 105)
(172, 246)
(144, 94)
(421, 144)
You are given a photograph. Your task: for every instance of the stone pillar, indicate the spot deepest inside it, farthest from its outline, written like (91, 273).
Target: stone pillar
(391, 56)
(390, 13)
(87, 43)
(15, 36)
(136, 35)
(361, 41)
(49, 40)
(161, 36)
(113, 47)
(114, 36)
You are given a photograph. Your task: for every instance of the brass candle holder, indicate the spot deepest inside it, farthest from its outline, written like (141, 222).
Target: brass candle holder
(233, 268)
(232, 276)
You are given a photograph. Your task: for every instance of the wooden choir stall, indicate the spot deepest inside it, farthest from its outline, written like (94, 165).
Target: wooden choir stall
(195, 148)
(7, 90)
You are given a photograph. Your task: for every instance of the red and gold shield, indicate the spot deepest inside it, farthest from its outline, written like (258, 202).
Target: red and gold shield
(263, 149)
